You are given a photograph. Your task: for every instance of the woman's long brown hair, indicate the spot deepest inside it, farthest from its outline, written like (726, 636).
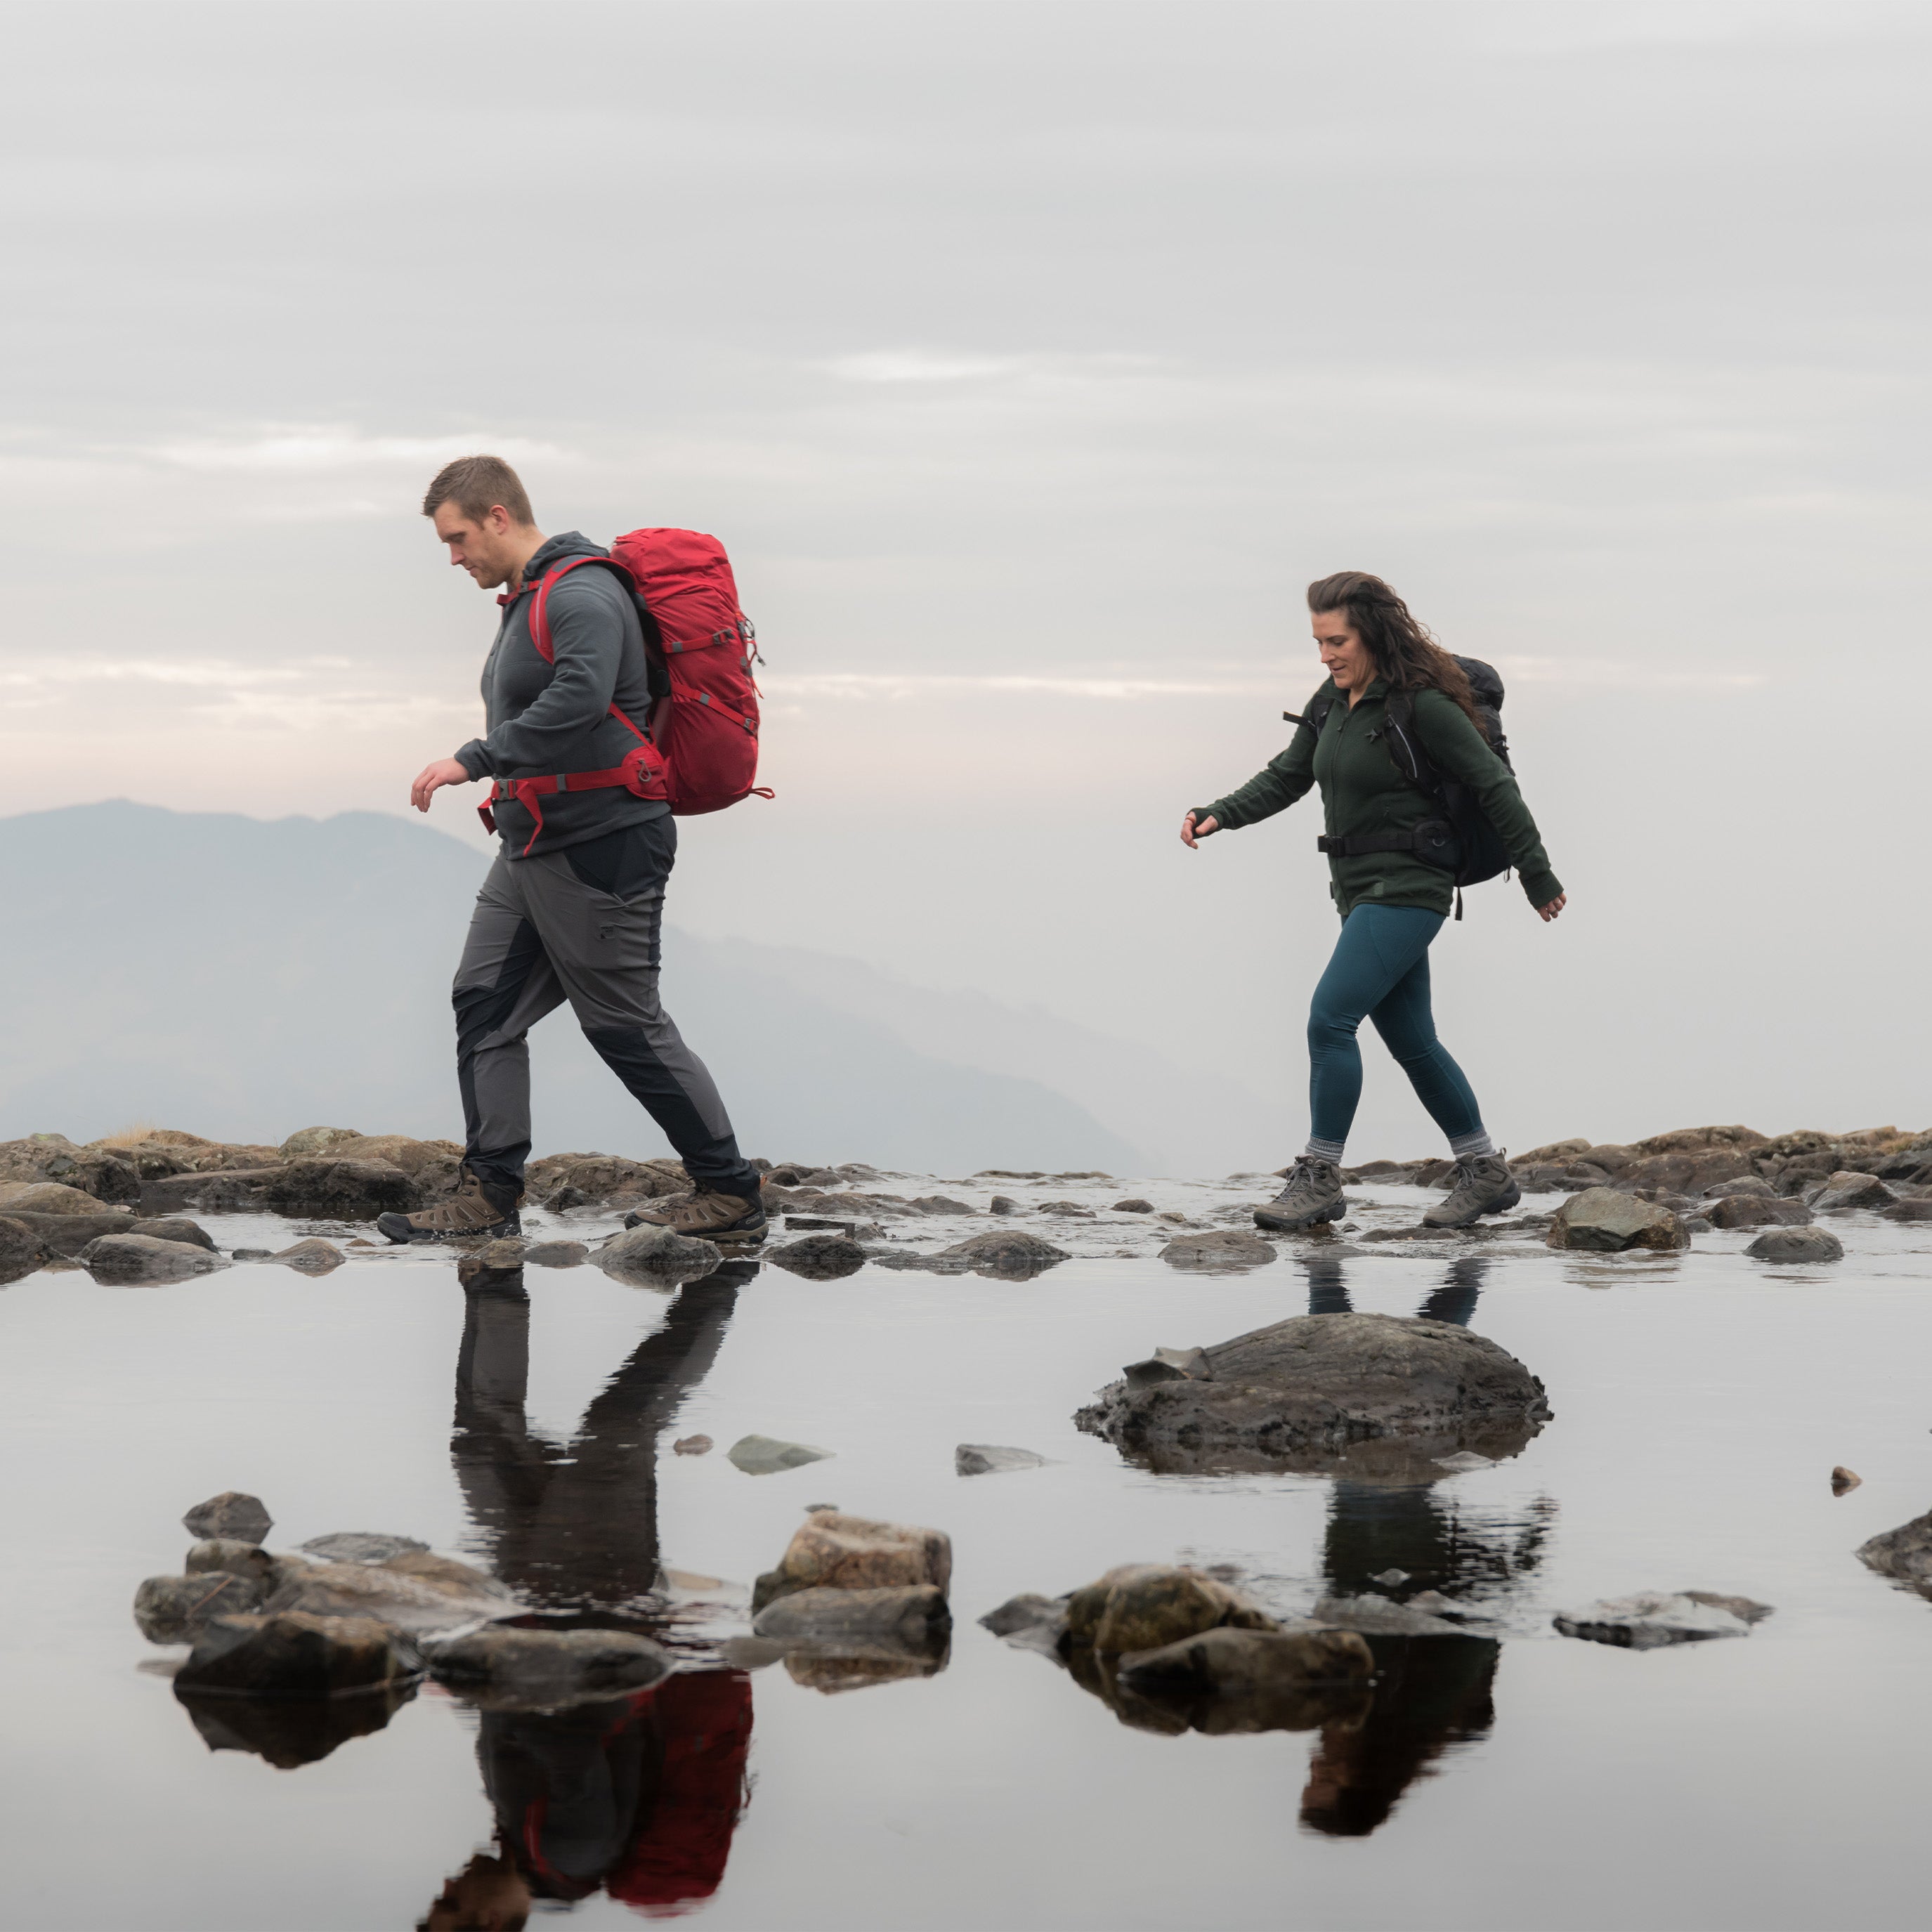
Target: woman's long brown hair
(1407, 658)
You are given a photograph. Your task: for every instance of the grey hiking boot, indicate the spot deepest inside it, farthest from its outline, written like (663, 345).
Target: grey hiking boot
(729, 1219)
(479, 1210)
(1313, 1194)
(1484, 1185)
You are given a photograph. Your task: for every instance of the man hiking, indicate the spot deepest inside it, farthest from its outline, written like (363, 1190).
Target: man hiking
(571, 909)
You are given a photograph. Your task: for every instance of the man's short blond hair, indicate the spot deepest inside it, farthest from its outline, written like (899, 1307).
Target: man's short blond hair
(476, 484)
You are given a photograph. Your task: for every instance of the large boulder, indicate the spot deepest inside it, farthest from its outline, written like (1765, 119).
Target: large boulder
(652, 1253)
(22, 1250)
(104, 1172)
(1842, 1190)
(1603, 1220)
(504, 1666)
(127, 1260)
(1905, 1552)
(1141, 1606)
(833, 1551)
(67, 1234)
(1302, 1392)
(47, 1197)
(295, 1655)
(309, 1143)
(1797, 1245)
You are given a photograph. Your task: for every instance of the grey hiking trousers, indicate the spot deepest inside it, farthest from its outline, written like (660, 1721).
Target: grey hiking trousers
(542, 935)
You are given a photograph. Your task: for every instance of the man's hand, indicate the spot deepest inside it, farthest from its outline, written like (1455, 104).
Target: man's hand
(1193, 829)
(433, 777)
(1547, 913)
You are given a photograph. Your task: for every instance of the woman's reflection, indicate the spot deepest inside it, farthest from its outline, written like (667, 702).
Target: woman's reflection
(637, 1796)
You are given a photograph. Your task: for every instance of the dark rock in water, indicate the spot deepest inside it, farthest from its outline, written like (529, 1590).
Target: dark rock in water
(291, 1731)
(982, 1459)
(1842, 1190)
(1748, 1183)
(1169, 1365)
(766, 1455)
(1844, 1480)
(22, 1250)
(417, 1592)
(649, 1251)
(1069, 1210)
(1905, 1552)
(504, 1667)
(832, 1551)
(1133, 1205)
(819, 1257)
(1145, 1605)
(362, 1546)
(294, 1654)
(938, 1204)
(176, 1609)
(232, 1513)
(1797, 1245)
(126, 1259)
(175, 1227)
(1005, 1251)
(1302, 1391)
(251, 1255)
(1238, 1248)
(1653, 1619)
(1602, 1220)
(1230, 1659)
(1029, 1622)
(1003, 1203)
(908, 1617)
(313, 1256)
(1756, 1210)
(1918, 1209)
(556, 1254)
(691, 1445)
(229, 1553)
(67, 1234)
(351, 1189)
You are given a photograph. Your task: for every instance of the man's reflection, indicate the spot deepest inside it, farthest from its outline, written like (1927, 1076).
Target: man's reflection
(637, 1796)
(1433, 1694)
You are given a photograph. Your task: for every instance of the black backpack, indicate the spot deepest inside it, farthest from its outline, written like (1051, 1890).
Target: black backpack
(1462, 841)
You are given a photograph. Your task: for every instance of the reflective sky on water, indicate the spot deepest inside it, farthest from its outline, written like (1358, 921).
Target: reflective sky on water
(1524, 1781)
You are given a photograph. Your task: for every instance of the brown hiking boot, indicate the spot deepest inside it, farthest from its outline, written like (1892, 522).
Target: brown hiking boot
(725, 1218)
(478, 1210)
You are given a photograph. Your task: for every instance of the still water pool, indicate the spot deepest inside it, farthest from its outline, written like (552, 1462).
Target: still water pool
(1525, 1780)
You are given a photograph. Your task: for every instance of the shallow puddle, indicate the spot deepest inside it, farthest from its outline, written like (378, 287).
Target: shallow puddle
(1520, 1779)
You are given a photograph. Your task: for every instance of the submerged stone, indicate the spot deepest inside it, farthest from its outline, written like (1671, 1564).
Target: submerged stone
(1652, 1618)
(819, 1257)
(312, 1256)
(1797, 1244)
(912, 1618)
(1143, 1606)
(766, 1455)
(984, 1458)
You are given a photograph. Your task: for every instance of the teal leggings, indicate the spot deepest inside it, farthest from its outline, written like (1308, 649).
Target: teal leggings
(1380, 971)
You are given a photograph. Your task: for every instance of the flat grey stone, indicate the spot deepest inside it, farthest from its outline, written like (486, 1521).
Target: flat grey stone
(983, 1458)
(766, 1455)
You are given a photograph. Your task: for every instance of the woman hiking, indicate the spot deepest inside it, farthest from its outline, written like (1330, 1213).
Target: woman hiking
(1392, 899)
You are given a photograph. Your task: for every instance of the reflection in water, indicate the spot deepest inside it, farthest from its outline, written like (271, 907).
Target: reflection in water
(638, 1795)
(1431, 1694)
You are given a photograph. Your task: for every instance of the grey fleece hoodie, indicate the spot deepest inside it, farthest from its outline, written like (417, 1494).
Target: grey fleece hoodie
(544, 719)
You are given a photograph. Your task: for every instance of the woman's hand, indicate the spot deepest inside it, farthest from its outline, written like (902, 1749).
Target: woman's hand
(433, 777)
(1194, 829)
(1547, 913)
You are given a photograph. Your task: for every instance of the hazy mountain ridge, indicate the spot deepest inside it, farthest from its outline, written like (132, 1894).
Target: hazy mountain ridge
(242, 978)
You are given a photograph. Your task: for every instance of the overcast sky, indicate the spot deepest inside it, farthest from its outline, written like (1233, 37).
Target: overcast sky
(1030, 359)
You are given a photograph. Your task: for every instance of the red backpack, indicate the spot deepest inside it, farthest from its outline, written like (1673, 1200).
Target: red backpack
(700, 751)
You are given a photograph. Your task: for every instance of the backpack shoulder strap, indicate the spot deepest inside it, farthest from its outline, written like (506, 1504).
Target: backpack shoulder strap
(1405, 746)
(1315, 717)
(540, 636)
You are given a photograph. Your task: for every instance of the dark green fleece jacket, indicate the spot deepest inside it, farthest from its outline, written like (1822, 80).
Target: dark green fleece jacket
(1362, 793)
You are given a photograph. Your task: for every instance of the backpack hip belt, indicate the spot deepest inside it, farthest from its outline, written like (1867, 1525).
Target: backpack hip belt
(640, 774)
(1432, 838)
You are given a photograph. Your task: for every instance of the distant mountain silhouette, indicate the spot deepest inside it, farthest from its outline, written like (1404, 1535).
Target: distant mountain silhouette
(242, 978)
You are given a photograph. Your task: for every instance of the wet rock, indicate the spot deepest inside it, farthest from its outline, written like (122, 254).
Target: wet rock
(648, 1250)
(832, 1551)
(1070, 1210)
(1685, 1170)
(910, 1617)
(312, 1256)
(1918, 1209)
(1382, 1616)
(1843, 1480)
(1008, 1253)
(1238, 1248)
(1797, 1245)
(417, 1592)
(231, 1554)
(251, 1255)
(175, 1227)
(504, 1667)
(1145, 1605)
(22, 1250)
(233, 1513)
(47, 1197)
(1602, 1220)
(1749, 1183)
(1905, 1552)
(766, 1455)
(294, 1654)
(938, 1204)
(819, 1257)
(691, 1445)
(67, 1234)
(1133, 1205)
(1652, 1618)
(362, 1546)
(982, 1459)
(1029, 1622)
(1003, 1203)
(556, 1254)
(1315, 1384)
(124, 1259)
(1169, 1365)
(1756, 1210)
(350, 1189)
(177, 1609)
(104, 1172)
(1844, 1190)
(1228, 1659)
